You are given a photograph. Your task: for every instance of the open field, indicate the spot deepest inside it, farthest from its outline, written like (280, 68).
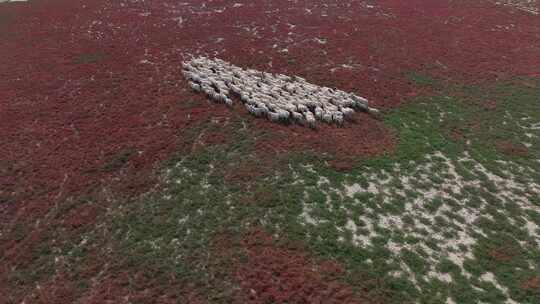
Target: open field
(119, 184)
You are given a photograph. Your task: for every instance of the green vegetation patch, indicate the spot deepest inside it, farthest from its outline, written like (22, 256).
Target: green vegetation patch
(433, 220)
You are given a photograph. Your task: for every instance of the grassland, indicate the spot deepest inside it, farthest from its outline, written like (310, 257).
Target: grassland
(451, 215)
(120, 185)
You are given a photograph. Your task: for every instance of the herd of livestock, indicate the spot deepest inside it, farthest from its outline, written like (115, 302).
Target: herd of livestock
(274, 96)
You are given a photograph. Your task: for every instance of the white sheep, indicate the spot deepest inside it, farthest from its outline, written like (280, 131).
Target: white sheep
(283, 77)
(222, 97)
(260, 112)
(207, 90)
(298, 117)
(195, 86)
(310, 104)
(225, 91)
(283, 115)
(187, 74)
(337, 117)
(290, 107)
(277, 96)
(360, 100)
(250, 108)
(302, 108)
(274, 117)
(206, 82)
(263, 110)
(261, 105)
(310, 119)
(327, 117)
(373, 111)
(361, 106)
(187, 66)
(244, 97)
(235, 89)
(319, 113)
(347, 112)
(215, 96)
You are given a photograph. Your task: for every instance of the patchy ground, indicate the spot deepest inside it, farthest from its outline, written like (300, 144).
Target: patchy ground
(119, 184)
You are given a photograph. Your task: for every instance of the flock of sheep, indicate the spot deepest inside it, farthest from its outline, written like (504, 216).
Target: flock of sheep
(275, 96)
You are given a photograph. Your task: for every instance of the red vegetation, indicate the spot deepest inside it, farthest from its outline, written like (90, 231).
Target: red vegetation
(136, 287)
(91, 94)
(83, 81)
(532, 284)
(248, 170)
(490, 105)
(455, 134)
(503, 254)
(277, 274)
(365, 136)
(511, 148)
